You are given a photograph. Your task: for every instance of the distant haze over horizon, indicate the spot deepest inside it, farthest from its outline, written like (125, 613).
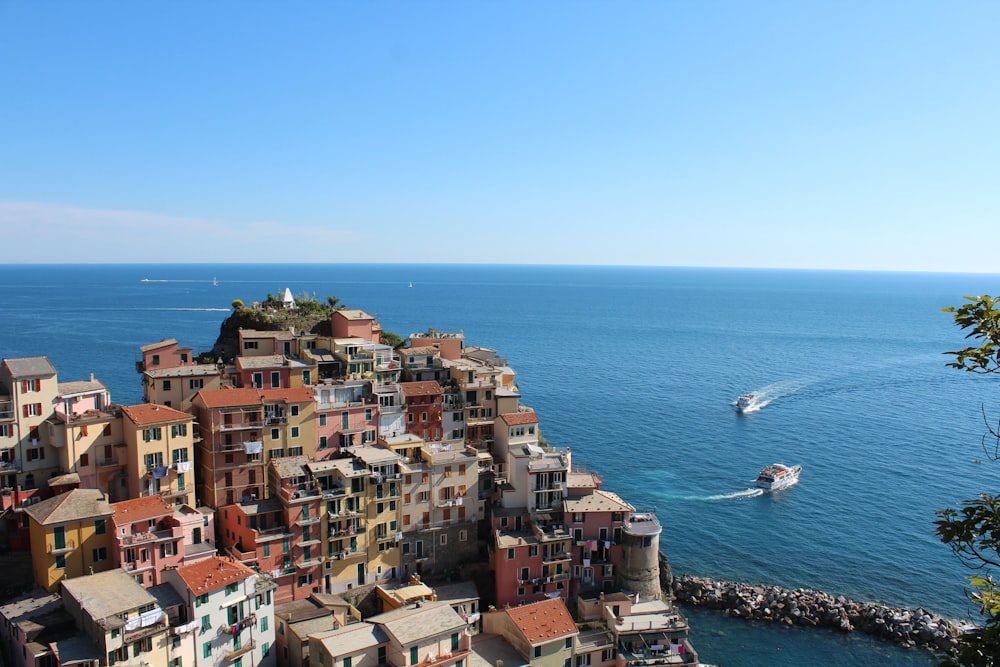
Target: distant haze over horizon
(720, 134)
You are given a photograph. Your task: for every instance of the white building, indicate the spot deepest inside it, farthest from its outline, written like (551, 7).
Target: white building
(233, 611)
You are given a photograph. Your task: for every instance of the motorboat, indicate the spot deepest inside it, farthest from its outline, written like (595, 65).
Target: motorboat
(745, 402)
(778, 476)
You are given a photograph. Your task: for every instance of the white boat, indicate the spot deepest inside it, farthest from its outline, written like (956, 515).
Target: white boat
(745, 402)
(778, 476)
(215, 282)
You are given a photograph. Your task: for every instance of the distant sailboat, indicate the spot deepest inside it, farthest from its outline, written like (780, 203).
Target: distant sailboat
(215, 282)
(411, 284)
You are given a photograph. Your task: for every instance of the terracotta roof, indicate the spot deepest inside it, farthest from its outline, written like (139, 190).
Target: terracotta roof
(150, 413)
(426, 388)
(517, 418)
(76, 505)
(67, 389)
(229, 398)
(597, 501)
(140, 509)
(212, 574)
(162, 343)
(543, 622)
(293, 395)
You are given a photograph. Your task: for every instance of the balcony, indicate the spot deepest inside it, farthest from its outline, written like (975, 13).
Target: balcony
(246, 648)
(10, 465)
(312, 540)
(109, 462)
(149, 536)
(68, 546)
(239, 426)
(307, 521)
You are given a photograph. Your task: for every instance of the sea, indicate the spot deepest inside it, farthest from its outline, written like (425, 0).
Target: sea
(636, 370)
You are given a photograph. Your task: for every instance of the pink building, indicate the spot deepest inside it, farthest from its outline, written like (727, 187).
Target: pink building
(150, 534)
(165, 354)
(353, 323)
(346, 415)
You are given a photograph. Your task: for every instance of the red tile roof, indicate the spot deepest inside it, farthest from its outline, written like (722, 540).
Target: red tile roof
(229, 398)
(150, 413)
(294, 395)
(543, 622)
(426, 388)
(140, 509)
(517, 418)
(212, 574)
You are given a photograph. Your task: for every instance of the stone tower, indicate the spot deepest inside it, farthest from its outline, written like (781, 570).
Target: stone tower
(640, 569)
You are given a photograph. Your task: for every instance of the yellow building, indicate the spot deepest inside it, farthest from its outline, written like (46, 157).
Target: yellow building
(159, 443)
(69, 536)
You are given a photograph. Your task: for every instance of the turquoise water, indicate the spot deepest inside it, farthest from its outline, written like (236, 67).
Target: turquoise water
(636, 369)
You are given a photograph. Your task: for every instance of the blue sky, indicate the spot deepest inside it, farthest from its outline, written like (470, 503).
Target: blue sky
(848, 134)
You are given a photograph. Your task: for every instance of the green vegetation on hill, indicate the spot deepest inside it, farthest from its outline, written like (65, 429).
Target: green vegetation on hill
(308, 316)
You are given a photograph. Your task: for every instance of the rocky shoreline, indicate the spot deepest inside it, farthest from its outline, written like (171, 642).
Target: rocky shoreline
(805, 607)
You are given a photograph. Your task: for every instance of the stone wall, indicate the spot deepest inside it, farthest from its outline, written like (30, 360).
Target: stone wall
(805, 607)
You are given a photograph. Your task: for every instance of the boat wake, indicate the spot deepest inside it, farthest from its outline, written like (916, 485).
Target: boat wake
(766, 395)
(737, 495)
(745, 493)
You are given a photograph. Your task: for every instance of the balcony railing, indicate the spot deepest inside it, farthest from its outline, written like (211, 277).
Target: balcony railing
(240, 426)
(246, 648)
(67, 546)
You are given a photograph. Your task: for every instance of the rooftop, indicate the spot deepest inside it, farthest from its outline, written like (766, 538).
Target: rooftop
(230, 398)
(26, 367)
(153, 346)
(542, 622)
(76, 387)
(598, 501)
(419, 621)
(212, 574)
(352, 639)
(107, 593)
(354, 314)
(150, 413)
(518, 418)
(140, 509)
(194, 370)
(75, 505)
(424, 388)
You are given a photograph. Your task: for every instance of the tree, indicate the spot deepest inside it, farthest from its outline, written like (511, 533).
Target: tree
(973, 531)
(391, 339)
(237, 304)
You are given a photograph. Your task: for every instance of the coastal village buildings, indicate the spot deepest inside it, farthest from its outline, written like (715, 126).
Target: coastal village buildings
(158, 453)
(119, 621)
(232, 609)
(150, 534)
(330, 475)
(69, 536)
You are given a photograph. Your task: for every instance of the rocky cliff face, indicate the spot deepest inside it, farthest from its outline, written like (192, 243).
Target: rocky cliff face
(307, 317)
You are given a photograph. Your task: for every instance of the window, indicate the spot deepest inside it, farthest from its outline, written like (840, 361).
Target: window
(275, 379)
(275, 434)
(166, 385)
(368, 414)
(454, 641)
(179, 455)
(257, 380)
(151, 434)
(184, 357)
(156, 360)
(249, 345)
(5, 430)
(295, 431)
(322, 442)
(100, 554)
(263, 623)
(510, 554)
(265, 649)
(60, 562)
(267, 550)
(569, 642)
(414, 655)
(206, 624)
(347, 661)
(178, 430)
(232, 588)
(423, 416)
(196, 383)
(538, 651)
(33, 410)
(35, 454)
(293, 410)
(322, 420)
(443, 539)
(295, 451)
(84, 459)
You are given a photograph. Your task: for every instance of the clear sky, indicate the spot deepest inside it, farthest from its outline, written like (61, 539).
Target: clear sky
(851, 134)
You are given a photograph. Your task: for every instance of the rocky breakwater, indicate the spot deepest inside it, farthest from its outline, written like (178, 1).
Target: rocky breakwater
(800, 606)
